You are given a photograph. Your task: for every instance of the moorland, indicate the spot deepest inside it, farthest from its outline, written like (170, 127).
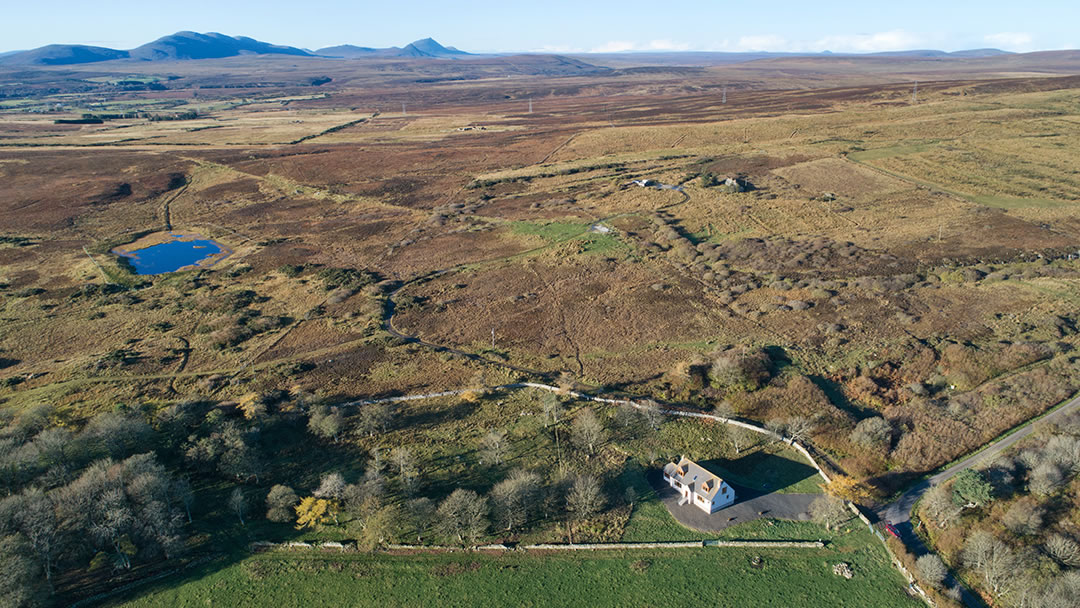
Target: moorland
(889, 277)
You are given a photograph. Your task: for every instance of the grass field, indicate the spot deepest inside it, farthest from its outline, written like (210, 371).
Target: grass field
(690, 577)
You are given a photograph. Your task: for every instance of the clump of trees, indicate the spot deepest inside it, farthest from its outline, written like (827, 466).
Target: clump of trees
(1022, 549)
(114, 513)
(740, 369)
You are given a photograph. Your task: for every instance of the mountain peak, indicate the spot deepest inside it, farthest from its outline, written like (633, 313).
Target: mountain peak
(428, 47)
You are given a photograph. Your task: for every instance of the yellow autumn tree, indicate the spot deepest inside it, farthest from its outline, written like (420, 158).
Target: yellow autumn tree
(313, 512)
(252, 406)
(846, 488)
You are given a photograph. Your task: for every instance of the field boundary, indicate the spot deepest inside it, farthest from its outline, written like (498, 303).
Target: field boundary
(351, 547)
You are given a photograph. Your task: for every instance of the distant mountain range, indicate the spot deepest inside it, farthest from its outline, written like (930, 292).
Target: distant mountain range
(192, 45)
(183, 46)
(421, 48)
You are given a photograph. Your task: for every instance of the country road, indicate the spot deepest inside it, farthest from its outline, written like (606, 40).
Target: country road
(898, 512)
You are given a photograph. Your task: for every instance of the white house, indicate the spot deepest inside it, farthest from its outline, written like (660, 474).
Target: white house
(707, 491)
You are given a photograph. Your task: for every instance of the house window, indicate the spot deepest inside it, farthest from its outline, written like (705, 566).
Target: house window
(678, 485)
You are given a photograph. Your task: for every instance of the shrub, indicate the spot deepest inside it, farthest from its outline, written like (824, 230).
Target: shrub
(873, 432)
(932, 570)
(739, 369)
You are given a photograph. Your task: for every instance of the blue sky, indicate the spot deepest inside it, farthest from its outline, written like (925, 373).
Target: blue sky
(562, 26)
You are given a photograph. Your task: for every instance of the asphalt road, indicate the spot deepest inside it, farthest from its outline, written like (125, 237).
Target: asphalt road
(898, 512)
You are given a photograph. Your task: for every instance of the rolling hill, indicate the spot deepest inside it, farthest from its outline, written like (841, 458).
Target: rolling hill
(62, 54)
(192, 45)
(420, 48)
(184, 46)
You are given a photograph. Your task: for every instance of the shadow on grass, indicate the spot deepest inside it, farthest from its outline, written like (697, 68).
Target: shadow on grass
(761, 471)
(836, 396)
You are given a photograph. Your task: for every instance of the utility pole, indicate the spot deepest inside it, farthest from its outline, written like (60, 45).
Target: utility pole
(915, 93)
(530, 105)
(723, 96)
(403, 109)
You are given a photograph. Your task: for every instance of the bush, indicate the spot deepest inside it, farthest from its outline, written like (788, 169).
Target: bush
(739, 369)
(873, 432)
(932, 570)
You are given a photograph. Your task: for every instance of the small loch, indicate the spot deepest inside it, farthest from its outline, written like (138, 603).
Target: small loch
(164, 252)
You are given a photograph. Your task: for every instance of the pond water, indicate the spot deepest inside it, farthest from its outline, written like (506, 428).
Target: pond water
(171, 256)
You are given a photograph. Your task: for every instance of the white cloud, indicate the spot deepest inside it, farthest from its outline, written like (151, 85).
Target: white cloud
(767, 42)
(1010, 41)
(896, 40)
(614, 46)
(623, 46)
(666, 45)
(556, 50)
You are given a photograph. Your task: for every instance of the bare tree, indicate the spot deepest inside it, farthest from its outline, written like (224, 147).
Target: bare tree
(403, 458)
(183, 493)
(650, 411)
(37, 520)
(741, 438)
(1024, 517)
(1062, 591)
(515, 499)
(56, 446)
(20, 575)
(585, 498)
(723, 410)
(493, 446)
(993, 559)
(829, 511)
(939, 505)
(421, 513)
(281, 504)
(588, 431)
(799, 428)
(463, 515)
(552, 407)
(238, 504)
(627, 417)
(376, 463)
(932, 570)
(1064, 550)
(331, 486)
(117, 434)
(1046, 478)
